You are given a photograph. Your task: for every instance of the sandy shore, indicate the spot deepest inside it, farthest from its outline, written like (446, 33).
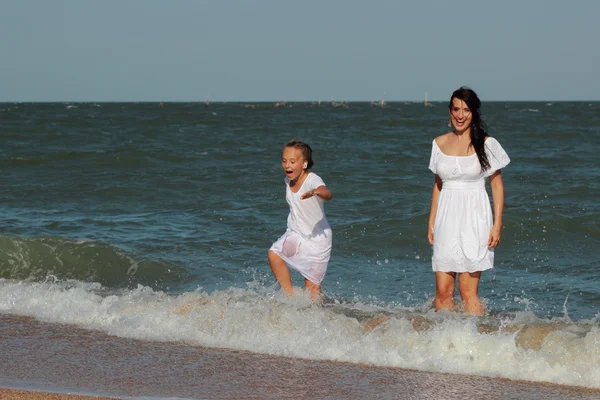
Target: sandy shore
(11, 394)
(66, 359)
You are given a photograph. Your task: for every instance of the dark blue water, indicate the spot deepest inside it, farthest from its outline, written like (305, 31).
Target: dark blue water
(193, 196)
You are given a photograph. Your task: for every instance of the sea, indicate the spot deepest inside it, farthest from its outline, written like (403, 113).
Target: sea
(141, 230)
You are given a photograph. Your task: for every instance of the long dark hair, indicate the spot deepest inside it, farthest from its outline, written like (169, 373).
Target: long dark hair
(478, 129)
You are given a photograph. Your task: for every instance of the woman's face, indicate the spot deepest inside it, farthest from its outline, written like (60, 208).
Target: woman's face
(460, 115)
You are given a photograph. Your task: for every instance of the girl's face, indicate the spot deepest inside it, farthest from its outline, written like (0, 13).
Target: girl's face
(460, 115)
(292, 162)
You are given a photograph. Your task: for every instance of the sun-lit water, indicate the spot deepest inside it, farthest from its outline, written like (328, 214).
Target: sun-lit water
(154, 223)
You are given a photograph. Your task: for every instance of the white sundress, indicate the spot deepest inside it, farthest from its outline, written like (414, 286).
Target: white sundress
(464, 219)
(306, 244)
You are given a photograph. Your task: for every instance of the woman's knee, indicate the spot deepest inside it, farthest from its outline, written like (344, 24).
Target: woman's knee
(468, 285)
(444, 285)
(445, 293)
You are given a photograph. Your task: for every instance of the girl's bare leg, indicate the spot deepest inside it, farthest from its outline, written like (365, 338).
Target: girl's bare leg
(444, 290)
(281, 272)
(313, 289)
(468, 284)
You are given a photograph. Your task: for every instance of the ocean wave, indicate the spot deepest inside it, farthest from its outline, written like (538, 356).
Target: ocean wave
(257, 319)
(44, 257)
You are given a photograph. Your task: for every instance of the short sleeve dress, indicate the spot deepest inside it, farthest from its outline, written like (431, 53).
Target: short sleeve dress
(464, 219)
(306, 244)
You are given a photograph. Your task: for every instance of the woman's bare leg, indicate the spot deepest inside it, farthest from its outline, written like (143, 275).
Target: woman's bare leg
(281, 272)
(444, 290)
(468, 284)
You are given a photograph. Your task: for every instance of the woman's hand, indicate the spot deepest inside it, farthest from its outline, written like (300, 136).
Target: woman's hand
(494, 238)
(430, 235)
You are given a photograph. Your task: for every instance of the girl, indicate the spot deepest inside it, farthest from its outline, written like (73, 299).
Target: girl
(306, 244)
(460, 221)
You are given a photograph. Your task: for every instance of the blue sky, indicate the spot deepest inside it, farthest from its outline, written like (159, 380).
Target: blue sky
(226, 50)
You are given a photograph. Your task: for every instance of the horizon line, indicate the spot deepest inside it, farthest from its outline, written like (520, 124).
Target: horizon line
(286, 101)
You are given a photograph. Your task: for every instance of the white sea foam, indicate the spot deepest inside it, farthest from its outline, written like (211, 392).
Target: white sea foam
(267, 322)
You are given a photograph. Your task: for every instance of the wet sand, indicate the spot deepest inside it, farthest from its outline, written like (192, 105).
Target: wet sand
(11, 394)
(64, 359)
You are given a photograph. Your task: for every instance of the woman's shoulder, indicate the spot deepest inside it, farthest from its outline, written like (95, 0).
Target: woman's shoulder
(440, 140)
(496, 155)
(491, 141)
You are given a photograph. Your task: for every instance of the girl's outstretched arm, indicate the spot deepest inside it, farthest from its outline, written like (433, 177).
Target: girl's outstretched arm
(321, 191)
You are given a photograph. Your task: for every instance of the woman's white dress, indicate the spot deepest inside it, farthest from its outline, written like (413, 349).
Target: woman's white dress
(464, 219)
(306, 244)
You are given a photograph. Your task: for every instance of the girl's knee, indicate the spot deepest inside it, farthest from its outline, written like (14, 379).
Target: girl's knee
(273, 257)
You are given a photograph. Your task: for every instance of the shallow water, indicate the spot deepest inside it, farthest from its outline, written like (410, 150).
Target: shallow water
(66, 359)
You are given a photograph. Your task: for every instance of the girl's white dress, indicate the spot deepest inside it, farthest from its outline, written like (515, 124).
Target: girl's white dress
(464, 216)
(306, 244)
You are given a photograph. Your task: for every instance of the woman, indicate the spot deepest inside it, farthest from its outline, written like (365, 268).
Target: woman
(462, 229)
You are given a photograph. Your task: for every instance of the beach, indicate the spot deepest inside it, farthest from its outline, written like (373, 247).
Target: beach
(12, 394)
(67, 359)
(133, 254)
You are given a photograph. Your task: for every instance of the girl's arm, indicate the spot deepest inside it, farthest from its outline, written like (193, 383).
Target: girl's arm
(437, 187)
(321, 192)
(498, 199)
